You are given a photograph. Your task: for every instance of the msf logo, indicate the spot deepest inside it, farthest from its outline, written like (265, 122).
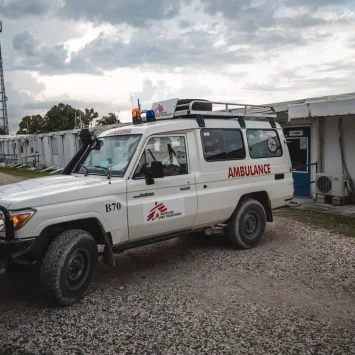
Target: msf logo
(155, 212)
(159, 109)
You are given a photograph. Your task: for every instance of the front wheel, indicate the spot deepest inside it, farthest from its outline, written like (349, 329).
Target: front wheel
(69, 267)
(247, 224)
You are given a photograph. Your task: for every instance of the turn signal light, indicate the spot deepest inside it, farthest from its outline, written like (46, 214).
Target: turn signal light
(19, 220)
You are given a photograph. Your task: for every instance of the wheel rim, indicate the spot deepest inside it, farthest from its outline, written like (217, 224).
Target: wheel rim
(77, 269)
(251, 223)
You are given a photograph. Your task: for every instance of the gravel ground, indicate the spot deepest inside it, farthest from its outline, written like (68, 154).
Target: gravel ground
(294, 294)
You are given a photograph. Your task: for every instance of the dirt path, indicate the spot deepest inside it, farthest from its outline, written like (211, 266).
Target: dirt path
(9, 179)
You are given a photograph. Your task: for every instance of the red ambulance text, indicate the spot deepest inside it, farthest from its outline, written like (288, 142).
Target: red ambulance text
(246, 171)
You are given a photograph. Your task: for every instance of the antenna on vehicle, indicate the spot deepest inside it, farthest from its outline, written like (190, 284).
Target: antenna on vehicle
(130, 94)
(109, 175)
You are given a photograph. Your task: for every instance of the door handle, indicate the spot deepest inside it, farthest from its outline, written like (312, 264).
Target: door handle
(185, 188)
(147, 194)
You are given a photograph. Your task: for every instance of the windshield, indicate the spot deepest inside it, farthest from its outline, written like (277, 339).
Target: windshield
(111, 153)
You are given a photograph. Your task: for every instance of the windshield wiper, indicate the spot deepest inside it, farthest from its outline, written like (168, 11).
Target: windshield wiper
(108, 171)
(85, 169)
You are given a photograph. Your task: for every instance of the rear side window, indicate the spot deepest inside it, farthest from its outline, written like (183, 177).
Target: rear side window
(263, 143)
(222, 145)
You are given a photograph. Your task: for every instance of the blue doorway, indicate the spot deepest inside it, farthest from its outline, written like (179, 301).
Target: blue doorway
(299, 145)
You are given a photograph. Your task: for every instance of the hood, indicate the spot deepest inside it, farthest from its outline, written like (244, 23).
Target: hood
(56, 189)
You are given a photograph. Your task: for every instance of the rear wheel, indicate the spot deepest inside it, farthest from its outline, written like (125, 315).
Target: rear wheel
(69, 267)
(246, 226)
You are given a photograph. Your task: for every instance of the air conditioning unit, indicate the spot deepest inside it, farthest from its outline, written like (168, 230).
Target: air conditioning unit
(331, 185)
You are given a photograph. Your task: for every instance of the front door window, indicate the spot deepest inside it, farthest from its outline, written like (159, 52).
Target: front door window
(170, 150)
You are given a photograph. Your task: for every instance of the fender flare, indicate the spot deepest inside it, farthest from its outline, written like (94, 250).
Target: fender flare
(70, 218)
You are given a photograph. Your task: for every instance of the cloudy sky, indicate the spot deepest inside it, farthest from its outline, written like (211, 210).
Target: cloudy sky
(95, 53)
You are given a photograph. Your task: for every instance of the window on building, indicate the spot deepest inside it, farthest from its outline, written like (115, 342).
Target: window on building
(171, 151)
(55, 146)
(222, 144)
(263, 143)
(21, 148)
(298, 148)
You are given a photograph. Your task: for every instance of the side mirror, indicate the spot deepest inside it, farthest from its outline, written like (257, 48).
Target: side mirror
(149, 180)
(97, 145)
(157, 170)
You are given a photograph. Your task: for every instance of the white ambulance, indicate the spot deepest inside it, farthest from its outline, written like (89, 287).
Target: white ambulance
(187, 166)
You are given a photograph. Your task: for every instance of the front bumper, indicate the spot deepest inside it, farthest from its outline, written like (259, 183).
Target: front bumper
(14, 248)
(9, 246)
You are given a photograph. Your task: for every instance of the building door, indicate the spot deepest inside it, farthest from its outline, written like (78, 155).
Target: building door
(299, 146)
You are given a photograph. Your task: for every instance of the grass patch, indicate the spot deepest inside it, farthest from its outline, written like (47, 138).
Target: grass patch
(28, 174)
(336, 224)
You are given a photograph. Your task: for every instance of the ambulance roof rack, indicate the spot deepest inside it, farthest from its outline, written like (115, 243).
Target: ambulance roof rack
(207, 109)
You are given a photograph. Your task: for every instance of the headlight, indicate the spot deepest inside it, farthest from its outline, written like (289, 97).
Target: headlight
(2, 222)
(20, 218)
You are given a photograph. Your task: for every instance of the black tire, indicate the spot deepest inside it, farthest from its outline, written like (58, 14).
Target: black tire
(198, 106)
(247, 224)
(69, 267)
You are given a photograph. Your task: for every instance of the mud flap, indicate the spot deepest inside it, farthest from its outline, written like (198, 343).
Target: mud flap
(269, 214)
(108, 256)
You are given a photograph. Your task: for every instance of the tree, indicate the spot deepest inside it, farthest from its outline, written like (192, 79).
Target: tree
(112, 118)
(60, 117)
(88, 117)
(31, 125)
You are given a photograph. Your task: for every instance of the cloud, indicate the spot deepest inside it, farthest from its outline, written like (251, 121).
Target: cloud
(25, 81)
(23, 102)
(287, 16)
(190, 88)
(26, 97)
(317, 4)
(25, 44)
(257, 50)
(243, 13)
(23, 8)
(235, 32)
(49, 60)
(195, 49)
(17, 100)
(184, 23)
(134, 12)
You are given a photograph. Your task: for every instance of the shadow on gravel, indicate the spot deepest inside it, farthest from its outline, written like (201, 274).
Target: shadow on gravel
(162, 256)
(20, 287)
(25, 286)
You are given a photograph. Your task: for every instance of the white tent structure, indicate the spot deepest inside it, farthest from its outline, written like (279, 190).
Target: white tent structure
(50, 151)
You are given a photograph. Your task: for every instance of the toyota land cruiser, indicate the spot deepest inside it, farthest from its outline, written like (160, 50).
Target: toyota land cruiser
(185, 166)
